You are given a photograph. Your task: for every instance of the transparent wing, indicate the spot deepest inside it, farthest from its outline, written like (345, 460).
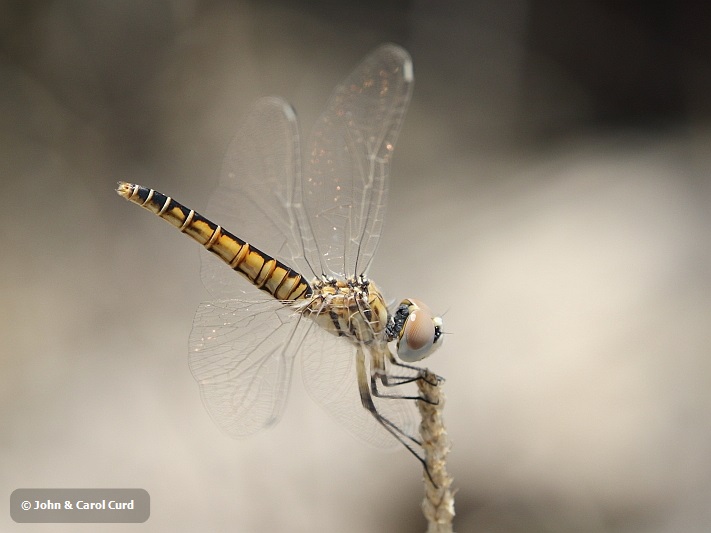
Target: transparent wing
(241, 354)
(329, 375)
(344, 187)
(253, 199)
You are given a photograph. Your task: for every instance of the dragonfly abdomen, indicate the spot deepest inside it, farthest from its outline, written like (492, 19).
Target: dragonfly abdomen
(265, 272)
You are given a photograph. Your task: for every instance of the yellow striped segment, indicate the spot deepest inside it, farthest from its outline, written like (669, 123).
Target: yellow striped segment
(263, 271)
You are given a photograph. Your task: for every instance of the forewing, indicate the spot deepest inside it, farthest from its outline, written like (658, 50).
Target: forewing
(329, 373)
(241, 354)
(344, 187)
(253, 199)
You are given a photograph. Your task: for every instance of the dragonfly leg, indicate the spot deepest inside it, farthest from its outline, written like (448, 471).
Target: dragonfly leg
(367, 401)
(374, 388)
(392, 380)
(380, 373)
(383, 380)
(393, 429)
(420, 372)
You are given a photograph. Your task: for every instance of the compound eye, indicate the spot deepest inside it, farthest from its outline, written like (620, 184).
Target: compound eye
(420, 334)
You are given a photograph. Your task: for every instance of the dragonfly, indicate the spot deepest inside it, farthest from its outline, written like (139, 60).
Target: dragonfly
(317, 220)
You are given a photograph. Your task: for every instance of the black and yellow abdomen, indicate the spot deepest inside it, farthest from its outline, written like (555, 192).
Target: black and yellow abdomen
(265, 272)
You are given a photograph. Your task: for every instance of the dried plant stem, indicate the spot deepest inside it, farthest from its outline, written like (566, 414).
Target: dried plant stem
(438, 505)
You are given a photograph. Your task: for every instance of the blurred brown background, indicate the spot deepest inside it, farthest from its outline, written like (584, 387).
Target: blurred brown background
(550, 192)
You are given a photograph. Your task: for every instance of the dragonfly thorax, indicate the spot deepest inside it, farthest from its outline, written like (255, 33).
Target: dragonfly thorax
(352, 307)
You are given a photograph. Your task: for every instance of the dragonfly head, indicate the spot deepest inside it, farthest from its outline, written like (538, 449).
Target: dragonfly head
(417, 330)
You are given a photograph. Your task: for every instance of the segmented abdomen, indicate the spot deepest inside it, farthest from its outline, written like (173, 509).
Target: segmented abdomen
(263, 271)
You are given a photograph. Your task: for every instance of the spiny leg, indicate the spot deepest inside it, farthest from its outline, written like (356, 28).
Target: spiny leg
(421, 374)
(380, 372)
(384, 380)
(393, 429)
(367, 401)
